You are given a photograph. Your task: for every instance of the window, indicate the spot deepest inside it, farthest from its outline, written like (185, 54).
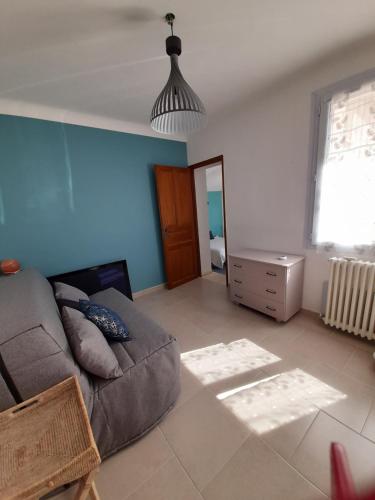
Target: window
(344, 205)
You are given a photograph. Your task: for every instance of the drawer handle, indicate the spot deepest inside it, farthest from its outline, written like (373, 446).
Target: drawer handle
(238, 266)
(237, 281)
(269, 273)
(269, 290)
(271, 308)
(238, 296)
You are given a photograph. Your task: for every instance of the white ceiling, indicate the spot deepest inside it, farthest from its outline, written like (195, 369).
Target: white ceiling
(107, 57)
(214, 178)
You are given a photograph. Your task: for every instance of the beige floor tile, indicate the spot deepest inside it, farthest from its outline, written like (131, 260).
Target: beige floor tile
(170, 482)
(315, 323)
(256, 472)
(289, 331)
(164, 296)
(202, 289)
(237, 381)
(353, 409)
(286, 438)
(274, 402)
(191, 337)
(238, 327)
(208, 320)
(216, 277)
(121, 474)
(125, 471)
(321, 345)
(221, 361)
(190, 386)
(282, 345)
(369, 427)
(288, 361)
(353, 340)
(312, 456)
(188, 307)
(361, 365)
(204, 435)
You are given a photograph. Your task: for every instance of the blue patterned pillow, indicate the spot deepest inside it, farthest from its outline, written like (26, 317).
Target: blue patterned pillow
(108, 322)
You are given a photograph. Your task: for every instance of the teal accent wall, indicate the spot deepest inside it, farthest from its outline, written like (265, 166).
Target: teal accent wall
(73, 196)
(215, 212)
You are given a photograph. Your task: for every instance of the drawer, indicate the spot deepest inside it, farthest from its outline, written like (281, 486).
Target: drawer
(262, 304)
(265, 280)
(238, 295)
(238, 266)
(270, 273)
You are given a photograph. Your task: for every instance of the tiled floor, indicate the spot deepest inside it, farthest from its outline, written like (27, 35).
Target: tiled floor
(260, 404)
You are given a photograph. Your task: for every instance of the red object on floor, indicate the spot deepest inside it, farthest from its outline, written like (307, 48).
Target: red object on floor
(342, 484)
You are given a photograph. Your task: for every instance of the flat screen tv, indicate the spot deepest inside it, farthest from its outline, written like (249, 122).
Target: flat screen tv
(94, 279)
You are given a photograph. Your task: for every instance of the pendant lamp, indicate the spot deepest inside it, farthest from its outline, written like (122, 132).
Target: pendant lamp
(177, 109)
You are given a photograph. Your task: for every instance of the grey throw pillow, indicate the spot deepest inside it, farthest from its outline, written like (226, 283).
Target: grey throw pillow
(89, 347)
(63, 291)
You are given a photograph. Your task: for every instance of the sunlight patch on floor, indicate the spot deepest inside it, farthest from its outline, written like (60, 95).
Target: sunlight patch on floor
(221, 361)
(278, 400)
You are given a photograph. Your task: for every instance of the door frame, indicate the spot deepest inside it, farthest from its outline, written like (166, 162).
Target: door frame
(212, 161)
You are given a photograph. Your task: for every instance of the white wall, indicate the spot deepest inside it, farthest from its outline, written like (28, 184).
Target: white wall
(214, 178)
(266, 148)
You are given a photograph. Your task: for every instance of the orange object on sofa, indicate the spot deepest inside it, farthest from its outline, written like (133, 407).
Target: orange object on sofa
(10, 266)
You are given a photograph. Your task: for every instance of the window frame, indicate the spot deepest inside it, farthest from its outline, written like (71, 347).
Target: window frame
(319, 117)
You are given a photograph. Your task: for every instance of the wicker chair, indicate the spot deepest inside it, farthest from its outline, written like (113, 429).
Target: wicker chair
(46, 442)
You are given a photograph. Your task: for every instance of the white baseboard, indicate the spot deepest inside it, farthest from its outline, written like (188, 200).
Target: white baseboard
(146, 291)
(309, 312)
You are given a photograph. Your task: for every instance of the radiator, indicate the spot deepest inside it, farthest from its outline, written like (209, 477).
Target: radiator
(350, 297)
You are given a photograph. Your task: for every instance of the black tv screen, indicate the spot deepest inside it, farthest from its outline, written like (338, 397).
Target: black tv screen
(94, 279)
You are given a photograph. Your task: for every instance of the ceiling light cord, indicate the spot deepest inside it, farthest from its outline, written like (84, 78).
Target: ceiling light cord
(170, 20)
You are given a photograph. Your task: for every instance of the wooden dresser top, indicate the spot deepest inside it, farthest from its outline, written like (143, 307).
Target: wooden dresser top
(267, 257)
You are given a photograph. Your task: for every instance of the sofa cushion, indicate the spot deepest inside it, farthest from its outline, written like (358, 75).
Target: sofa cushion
(28, 347)
(68, 292)
(29, 293)
(88, 345)
(35, 362)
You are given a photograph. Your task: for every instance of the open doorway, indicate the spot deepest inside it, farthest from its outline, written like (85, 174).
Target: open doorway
(211, 219)
(214, 186)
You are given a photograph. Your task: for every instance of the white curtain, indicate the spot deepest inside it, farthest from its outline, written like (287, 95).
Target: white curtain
(345, 196)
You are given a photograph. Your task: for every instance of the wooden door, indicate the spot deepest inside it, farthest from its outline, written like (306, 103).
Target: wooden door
(178, 223)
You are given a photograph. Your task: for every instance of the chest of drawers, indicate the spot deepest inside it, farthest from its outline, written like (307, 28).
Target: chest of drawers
(263, 281)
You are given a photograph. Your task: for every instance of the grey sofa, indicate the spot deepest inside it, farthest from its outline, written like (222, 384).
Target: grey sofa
(35, 354)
